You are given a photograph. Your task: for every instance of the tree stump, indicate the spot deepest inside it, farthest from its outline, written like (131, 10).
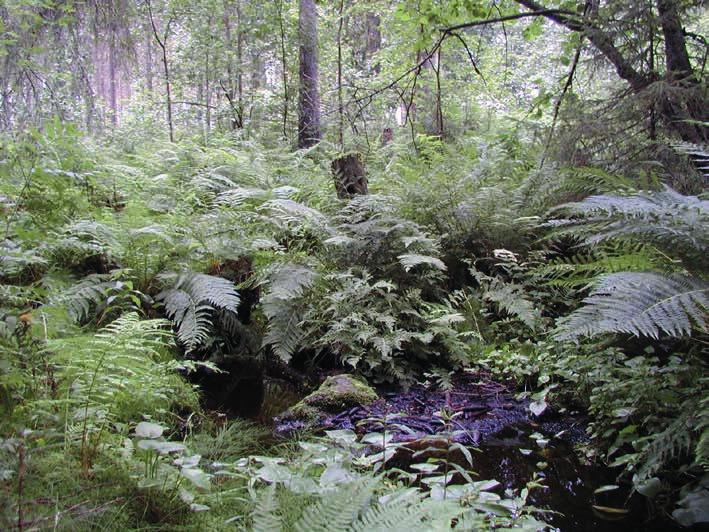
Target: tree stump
(350, 175)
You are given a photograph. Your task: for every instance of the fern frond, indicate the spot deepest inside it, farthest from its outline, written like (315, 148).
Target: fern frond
(337, 510)
(190, 304)
(582, 269)
(281, 305)
(85, 295)
(701, 451)
(236, 196)
(405, 511)
(642, 304)
(667, 218)
(411, 260)
(509, 297)
(264, 516)
(288, 213)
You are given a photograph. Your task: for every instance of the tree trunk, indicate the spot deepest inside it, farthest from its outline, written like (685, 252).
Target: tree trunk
(284, 65)
(683, 112)
(340, 107)
(148, 59)
(240, 66)
(166, 69)
(112, 74)
(373, 39)
(309, 99)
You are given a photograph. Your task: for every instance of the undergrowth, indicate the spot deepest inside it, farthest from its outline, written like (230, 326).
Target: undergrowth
(126, 273)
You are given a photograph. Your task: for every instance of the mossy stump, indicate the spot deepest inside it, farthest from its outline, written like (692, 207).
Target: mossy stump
(350, 175)
(337, 393)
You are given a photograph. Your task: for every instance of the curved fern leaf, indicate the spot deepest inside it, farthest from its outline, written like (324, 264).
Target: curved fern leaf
(264, 516)
(190, 304)
(337, 511)
(410, 260)
(670, 219)
(642, 304)
(281, 306)
(86, 295)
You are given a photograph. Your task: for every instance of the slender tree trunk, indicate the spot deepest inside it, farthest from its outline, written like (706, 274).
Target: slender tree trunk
(284, 65)
(373, 39)
(240, 65)
(148, 59)
(309, 132)
(340, 107)
(112, 74)
(439, 95)
(207, 96)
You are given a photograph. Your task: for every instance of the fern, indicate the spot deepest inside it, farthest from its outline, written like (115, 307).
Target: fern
(20, 265)
(583, 269)
(190, 304)
(701, 451)
(281, 304)
(660, 448)
(355, 507)
(509, 297)
(546, 188)
(337, 511)
(674, 221)
(411, 260)
(121, 372)
(264, 516)
(84, 296)
(642, 304)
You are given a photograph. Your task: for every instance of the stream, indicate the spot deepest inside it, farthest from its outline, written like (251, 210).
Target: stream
(511, 445)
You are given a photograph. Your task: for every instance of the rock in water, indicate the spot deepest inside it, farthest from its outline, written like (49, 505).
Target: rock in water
(337, 393)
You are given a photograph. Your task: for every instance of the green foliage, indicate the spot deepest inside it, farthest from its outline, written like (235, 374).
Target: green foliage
(322, 487)
(674, 222)
(640, 303)
(120, 373)
(191, 301)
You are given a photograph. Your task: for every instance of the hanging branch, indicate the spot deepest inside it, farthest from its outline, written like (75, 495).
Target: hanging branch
(163, 46)
(470, 54)
(557, 104)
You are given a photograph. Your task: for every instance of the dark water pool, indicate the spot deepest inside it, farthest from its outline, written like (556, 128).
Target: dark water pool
(513, 445)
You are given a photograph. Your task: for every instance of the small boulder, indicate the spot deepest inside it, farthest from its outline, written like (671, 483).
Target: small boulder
(337, 393)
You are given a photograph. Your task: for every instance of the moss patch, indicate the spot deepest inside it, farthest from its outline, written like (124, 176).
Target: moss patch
(337, 393)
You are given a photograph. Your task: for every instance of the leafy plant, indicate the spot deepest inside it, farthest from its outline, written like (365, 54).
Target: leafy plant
(191, 303)
(640, 303)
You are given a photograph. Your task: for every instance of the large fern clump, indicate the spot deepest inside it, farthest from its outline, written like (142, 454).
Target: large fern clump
(648, 303)
(673, 221)
(119, 373)
(191, 303)
(642, 304)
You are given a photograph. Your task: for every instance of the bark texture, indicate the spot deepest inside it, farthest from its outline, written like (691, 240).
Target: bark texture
(350, 175)
(309, 132)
